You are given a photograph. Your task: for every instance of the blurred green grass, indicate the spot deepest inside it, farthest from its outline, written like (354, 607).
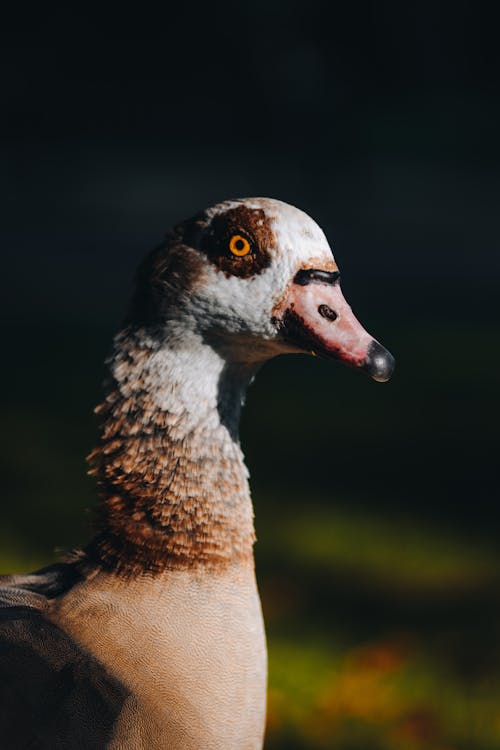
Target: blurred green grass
(375, 632)
(402, 553)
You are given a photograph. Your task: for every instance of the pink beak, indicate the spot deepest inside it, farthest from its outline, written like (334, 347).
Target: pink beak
(316, 318)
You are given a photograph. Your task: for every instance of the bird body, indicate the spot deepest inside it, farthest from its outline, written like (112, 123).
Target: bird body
(188, 647)
(152, 635)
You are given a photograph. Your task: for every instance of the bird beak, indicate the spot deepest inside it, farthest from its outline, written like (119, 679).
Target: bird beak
(315, 317)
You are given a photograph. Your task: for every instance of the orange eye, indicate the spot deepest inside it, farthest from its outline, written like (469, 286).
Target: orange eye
(239, 245)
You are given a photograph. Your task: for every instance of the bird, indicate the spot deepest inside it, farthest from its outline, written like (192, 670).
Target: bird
(151, 635)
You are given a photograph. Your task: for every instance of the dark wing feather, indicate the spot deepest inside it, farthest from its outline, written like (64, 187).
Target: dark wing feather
(53, 694)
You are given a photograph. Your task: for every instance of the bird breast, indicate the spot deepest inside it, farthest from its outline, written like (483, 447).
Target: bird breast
(189, 647)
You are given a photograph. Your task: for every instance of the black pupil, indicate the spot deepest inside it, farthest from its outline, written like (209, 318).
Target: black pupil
(239, 244)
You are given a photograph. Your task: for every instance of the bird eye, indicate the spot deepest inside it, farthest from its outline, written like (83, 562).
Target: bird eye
(239, 245)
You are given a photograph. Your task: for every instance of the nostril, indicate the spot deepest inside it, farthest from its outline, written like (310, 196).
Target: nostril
(327, 312)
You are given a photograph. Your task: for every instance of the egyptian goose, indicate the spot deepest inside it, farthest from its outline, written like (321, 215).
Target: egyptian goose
(152, 635)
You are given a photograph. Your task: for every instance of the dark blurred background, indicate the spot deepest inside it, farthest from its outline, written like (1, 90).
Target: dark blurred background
(376, 505)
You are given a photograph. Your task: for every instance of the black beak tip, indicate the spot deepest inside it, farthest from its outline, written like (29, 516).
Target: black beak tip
(379, 363)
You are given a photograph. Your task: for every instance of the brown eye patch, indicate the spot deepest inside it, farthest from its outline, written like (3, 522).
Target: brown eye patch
(247, 225)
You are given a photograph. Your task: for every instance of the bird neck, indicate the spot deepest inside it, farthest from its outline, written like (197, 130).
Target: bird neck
(170, 471)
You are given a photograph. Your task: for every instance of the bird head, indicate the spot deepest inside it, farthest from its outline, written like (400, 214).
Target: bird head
(255, 277)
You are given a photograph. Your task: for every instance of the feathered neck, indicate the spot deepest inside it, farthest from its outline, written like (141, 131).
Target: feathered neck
(170, 472)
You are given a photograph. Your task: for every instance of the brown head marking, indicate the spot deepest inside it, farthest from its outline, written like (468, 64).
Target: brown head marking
(164, 279)
(250, 224)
